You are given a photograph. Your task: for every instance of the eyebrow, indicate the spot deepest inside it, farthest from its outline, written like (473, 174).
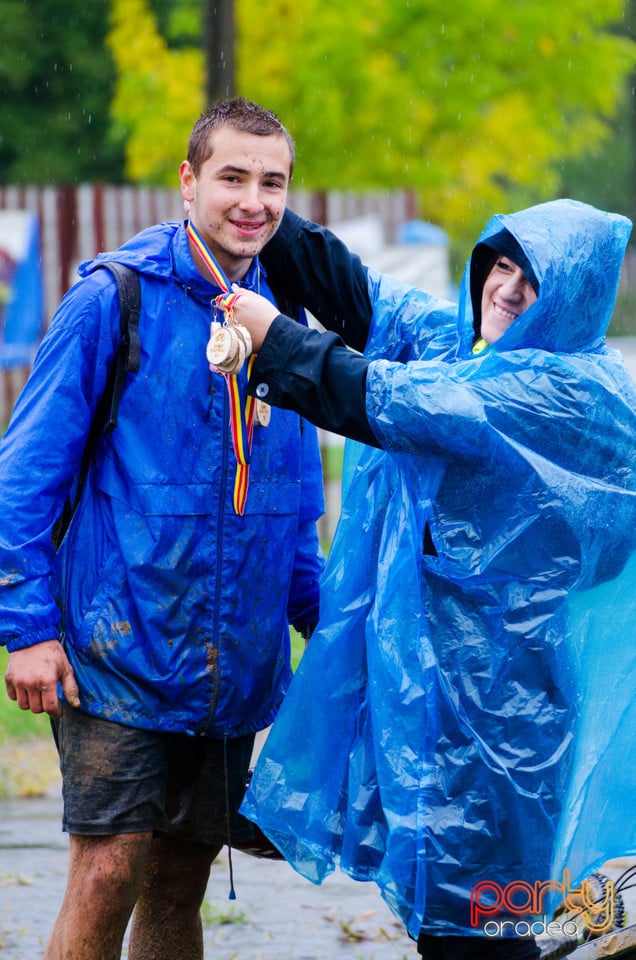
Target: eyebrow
(230, 168)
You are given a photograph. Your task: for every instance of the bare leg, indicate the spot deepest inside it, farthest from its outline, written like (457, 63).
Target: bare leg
(167, 919)
(104, 879)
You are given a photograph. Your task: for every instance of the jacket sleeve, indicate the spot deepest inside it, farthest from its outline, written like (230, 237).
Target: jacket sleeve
(40, 455)
(304, 593)
(319, 271)
(316, 375)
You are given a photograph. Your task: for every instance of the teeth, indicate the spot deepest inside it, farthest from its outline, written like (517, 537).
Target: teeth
(504, 313)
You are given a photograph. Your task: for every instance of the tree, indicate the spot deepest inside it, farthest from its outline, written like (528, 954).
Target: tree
(56, 82)
(159, 90)
(473, 105)
(605, 175)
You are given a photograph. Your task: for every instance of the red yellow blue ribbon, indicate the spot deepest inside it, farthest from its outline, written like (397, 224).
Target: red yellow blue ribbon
(242, 406)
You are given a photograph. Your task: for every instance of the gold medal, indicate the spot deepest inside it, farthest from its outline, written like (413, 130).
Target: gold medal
(262, 413)
(245, 334)
(220, 344)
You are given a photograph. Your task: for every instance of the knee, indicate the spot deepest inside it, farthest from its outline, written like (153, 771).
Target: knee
(110, 870)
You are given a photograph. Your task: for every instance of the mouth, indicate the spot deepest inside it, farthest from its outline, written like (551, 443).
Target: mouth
(504, 314)
(248, 227)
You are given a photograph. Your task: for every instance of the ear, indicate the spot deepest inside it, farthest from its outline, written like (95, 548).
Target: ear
(187, 180)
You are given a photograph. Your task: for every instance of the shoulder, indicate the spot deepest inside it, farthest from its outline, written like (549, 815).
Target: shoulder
(149, 253)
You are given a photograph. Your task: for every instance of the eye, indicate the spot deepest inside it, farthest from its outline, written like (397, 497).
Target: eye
(505, 265)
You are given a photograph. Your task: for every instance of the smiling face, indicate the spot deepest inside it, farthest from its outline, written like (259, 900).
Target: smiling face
(506, 293)
(238, 198)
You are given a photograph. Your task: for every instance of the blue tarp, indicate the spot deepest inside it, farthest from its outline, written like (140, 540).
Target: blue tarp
(21, 292)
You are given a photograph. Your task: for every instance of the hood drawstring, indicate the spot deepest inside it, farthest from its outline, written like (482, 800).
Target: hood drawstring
(232, 893)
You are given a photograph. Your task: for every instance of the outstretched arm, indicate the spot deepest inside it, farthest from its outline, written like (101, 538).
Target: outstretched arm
(319, 271)
(300, 369)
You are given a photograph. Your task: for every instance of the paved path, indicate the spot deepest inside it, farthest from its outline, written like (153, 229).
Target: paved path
(277, 914)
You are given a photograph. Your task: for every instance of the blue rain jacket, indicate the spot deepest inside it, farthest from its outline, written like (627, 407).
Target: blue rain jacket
(465, 711)
(174, 609)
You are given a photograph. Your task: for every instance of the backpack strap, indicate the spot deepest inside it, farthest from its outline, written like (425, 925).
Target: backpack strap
(129, 351)
(126, 361)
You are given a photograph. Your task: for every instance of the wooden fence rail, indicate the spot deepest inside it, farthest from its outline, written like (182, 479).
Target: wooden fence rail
(78, 222)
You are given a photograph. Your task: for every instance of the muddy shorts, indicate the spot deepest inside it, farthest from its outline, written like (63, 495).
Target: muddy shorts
(118, 779)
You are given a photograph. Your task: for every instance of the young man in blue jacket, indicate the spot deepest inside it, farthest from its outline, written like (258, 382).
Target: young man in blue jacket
(157, 636)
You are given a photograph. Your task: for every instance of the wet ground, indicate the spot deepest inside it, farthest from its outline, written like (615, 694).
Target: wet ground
(277, 915)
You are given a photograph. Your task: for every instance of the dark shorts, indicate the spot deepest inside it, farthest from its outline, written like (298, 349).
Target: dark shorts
(118, 779)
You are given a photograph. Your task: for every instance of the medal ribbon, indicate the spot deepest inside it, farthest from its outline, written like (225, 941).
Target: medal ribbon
(242, 406)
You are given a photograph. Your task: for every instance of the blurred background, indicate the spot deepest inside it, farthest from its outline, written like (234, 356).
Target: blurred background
(414, 121)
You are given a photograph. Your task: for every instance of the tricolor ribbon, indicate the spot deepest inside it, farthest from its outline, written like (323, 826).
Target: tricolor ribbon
(242, 406)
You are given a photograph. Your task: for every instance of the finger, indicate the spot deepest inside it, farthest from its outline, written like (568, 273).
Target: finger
(69, 686)
(11, 690)
(50, 702)
(26, 697)
(35, 700)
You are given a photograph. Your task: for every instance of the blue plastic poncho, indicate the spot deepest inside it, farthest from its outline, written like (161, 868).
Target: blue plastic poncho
(465, 712)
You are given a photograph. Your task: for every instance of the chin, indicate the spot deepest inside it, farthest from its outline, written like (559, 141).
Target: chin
(492, 333)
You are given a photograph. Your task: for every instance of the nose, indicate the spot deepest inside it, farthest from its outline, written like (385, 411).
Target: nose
(512, 288)
(250, 198)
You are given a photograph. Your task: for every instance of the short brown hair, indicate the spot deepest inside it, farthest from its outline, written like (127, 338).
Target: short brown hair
(240, 114)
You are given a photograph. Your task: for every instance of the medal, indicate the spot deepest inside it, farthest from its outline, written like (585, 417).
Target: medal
(219, 345)
(262, 413)
(229, 347)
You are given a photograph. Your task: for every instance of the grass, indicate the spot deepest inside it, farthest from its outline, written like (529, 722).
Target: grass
(28, 759)
(13, 721)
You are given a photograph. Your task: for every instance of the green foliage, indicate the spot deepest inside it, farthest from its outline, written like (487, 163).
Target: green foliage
(159, 93)
(473, 106)
(56, 82)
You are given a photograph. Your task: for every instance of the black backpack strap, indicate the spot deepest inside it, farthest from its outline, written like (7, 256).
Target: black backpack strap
(128, 354)
(126, 360)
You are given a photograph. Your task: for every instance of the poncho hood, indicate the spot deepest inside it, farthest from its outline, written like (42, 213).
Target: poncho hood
(573, 252)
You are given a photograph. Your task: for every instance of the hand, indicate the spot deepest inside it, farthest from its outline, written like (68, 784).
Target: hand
(33, 674)
(254, 312)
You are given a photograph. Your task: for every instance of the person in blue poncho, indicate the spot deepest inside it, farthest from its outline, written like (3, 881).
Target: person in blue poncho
(458, 728)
